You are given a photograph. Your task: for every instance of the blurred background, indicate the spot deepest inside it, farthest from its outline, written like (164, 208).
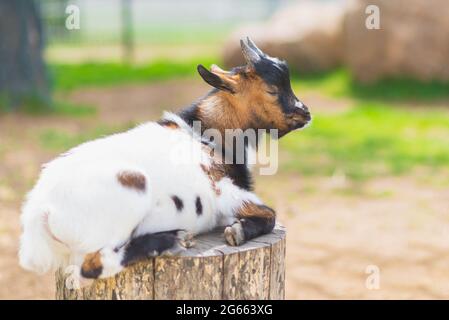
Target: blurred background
(364, 189)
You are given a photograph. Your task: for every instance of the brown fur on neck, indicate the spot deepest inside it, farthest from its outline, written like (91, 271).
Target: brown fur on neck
(220, 112)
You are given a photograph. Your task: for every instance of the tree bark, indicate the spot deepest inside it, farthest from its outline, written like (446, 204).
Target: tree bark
(23, 77)
(210, 270)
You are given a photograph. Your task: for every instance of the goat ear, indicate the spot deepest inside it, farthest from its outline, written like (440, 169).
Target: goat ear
(217, 78)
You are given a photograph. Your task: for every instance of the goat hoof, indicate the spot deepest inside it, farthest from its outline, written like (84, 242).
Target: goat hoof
(234, 234)
(175, 250)
(185, 239)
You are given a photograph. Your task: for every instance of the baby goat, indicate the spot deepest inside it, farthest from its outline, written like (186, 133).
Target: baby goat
(116, 200)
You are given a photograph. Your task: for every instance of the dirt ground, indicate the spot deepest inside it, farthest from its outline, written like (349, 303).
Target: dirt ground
(338, 233)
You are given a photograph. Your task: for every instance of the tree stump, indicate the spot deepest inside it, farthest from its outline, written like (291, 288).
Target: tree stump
(209, 270)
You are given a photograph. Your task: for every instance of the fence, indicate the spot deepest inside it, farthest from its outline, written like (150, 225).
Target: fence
(151, 21)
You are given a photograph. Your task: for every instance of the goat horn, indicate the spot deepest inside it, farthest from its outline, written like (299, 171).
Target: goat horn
(254, 47)
(250, 55)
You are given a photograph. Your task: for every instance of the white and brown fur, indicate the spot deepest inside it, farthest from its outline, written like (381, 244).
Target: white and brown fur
(116, 200)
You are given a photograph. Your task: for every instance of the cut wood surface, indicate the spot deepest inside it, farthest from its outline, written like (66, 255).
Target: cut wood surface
(209, 270)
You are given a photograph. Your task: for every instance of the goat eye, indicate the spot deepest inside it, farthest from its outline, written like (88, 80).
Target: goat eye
(273, 93)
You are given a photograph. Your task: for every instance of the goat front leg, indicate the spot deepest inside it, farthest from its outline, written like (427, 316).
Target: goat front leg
(253, 220)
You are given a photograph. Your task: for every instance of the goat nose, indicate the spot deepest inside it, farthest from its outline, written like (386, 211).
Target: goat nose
(307, 116)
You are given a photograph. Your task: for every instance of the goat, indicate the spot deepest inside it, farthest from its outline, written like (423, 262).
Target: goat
(116, 200)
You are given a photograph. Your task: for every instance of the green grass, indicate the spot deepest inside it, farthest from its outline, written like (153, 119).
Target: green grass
(71, 76)
(66, 77)
(370, 140)
(340, 83)
(36, 107)
(56, 140)
(61, 108)
(337, 83)
(28, 102)
(376, 137)
(74, 110)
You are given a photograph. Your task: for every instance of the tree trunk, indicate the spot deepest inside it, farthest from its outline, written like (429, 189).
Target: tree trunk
(210, 270)
(23, 77)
